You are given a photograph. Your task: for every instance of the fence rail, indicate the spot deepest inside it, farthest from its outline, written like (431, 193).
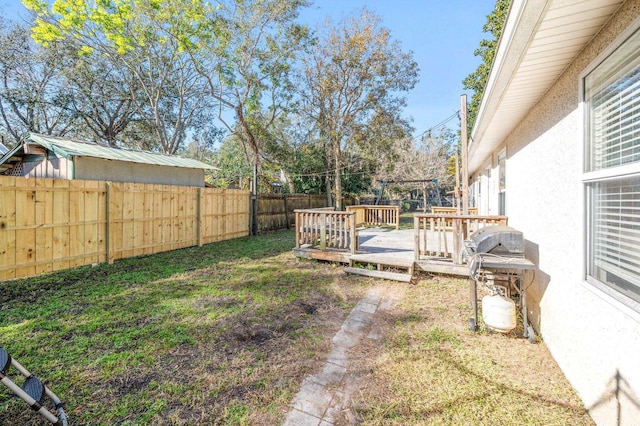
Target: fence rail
(442, 235)
(52, 224)
(376, 215)
(324, 229)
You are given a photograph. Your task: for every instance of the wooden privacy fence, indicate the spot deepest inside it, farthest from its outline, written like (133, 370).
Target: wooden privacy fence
(276, 211)
(52, 224)
(441, 235)
(376, 215)
(325, 229)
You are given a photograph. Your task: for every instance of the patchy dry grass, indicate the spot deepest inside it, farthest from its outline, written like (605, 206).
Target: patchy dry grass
(221, 334)
(433, 370)
(224, 334)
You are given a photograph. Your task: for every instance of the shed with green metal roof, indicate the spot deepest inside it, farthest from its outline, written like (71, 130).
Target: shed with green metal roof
(63, 158)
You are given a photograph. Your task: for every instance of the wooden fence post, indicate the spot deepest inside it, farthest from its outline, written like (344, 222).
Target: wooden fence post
(286, 210)
(108, 223)
(199, 223)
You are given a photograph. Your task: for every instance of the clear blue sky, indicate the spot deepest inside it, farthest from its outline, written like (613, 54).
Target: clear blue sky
(441, 33)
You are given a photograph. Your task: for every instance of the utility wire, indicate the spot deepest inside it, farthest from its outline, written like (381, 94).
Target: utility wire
(435, 126)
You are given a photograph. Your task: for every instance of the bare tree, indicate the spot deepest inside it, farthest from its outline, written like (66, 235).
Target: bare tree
(352, 79)
(425, 163)
(34, 96)
(102, 95)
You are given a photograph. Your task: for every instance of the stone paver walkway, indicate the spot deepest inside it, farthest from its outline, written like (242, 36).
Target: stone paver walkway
(324, 396)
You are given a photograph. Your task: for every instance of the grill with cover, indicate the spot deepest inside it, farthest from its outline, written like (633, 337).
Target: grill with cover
(495, 255)
(499, 240)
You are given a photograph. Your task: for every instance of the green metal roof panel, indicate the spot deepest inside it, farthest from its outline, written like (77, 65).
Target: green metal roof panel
(7, 156)
(68, 148)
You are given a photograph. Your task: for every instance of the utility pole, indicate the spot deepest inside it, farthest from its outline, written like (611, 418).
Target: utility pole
(465, 161)
(456, 193)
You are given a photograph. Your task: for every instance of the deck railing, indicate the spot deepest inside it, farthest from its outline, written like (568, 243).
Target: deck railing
(324, 229)
(441, 235)
(376, 215)
(451, 210)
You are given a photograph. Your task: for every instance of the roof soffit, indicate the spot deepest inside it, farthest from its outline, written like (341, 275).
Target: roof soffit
(540, 40)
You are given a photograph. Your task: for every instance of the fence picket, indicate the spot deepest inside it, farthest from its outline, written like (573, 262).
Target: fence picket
(53, 224)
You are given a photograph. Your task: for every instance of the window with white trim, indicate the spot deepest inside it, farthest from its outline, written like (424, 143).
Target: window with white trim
(612, 175)
(502, 182)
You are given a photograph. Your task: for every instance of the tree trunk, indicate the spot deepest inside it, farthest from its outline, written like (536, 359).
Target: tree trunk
(337, 157)
(425, 198)
(290, 183)
(327, 188)
(254, 195)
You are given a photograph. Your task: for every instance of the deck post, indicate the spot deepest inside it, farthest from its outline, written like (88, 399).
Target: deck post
(354, 235)
(416, 237)
(457, 241)
(397, 217)
(297, 229)
(323, 231)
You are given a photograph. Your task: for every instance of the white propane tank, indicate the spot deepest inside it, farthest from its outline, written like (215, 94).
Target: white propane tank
(499, 313)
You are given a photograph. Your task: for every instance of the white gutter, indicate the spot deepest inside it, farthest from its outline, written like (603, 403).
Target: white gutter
(522, 20)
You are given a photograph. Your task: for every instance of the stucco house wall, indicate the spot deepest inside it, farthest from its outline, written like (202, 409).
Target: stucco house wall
(88, 168)
(594, 338)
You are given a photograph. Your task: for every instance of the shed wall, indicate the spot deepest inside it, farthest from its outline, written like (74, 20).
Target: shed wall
(51, 167)
(594, 338)
(88, 168)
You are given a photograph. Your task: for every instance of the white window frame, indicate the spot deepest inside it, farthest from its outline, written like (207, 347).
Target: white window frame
(502, 172)
(612, 295)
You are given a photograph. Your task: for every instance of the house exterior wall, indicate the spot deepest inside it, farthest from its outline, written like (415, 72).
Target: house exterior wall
(593, 337)
(89, 168)
(486, 187)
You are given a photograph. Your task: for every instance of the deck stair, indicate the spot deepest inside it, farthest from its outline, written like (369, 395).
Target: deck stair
(386, 267)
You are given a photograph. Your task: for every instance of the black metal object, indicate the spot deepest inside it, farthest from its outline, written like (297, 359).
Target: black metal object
(5, 361)
(33, 391)
(34, 388)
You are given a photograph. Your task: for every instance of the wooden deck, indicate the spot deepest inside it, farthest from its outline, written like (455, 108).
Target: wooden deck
(385, 253)
(435, 244)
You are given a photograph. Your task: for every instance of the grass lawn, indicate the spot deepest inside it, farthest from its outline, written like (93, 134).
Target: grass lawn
(432, 370)
(224, 334)
(221, 334)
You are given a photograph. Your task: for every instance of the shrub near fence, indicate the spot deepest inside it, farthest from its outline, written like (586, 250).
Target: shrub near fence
(51, 224)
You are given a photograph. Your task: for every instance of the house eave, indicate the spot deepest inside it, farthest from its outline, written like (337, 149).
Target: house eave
(539, 41)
